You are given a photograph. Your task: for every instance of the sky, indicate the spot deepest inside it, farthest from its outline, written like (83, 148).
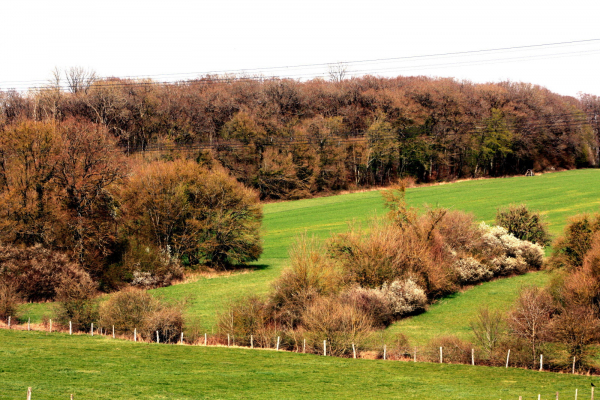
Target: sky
(175, 39)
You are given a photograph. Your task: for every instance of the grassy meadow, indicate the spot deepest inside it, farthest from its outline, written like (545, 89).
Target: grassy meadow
(557, 196)
(57, 365)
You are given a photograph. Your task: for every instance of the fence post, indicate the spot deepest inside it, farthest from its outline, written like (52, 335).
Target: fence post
(157, 338)
(29, 393)
(29, 323)
(384, 352)
(472, 356)
(441, 356)
(556, 395)
(251, 341)
(507, 358)
(278, 338)
(135, 334)
(592, 393)
(353, 350)
(325, 347)
(181, 338)
(50, 325)
(205, 339)
(576, 390)
(304, 346)
(113, 329)
(541, 362)
(92, 329)
(415, 359)
(573, 365)
(228, 338)
(9, 322)
(70, 328)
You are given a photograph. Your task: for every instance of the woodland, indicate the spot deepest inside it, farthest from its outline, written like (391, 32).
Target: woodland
(291, 139)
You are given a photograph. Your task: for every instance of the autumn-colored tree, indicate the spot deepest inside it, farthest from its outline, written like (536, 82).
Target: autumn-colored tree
(199, 215)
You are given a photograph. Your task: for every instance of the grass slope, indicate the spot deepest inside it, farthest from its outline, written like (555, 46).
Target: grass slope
(57, 365)
(557, 195)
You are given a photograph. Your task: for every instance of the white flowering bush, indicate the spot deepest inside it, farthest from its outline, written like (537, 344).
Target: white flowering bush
(405, 297)
(469, 270)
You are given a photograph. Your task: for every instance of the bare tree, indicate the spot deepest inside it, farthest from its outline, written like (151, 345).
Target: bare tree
(79, 79)
(488, 328)
(531, 317)
(337, 72)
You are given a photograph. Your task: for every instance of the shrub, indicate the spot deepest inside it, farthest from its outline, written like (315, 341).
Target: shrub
(36, 272)
(571, 247)
(76, 303)
(405, 297)
(151, 267)
(454, 350)
(339, 323)
(372, 302)
(244, 317)
(132, 309)
(459, 231)
(524, 224)
(9, 300)
(469, 270)
(311, 274)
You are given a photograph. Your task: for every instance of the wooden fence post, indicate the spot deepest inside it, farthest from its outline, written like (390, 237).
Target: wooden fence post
(251, 341)
(181, 341)
(29, 323)
(135, 334)
(507, 358)
(304, 345)
(576, 390)
(541, 362)
(228, 339)
(472, 356)
(157, 338)
(415, 359)
(92, 329)
(556, 395)
(50, 325)
(384, 352)
(592, 393)
(113, 329)
(278, 338)
(70, 328)
(9, 322)
(353, 350)
(205, 339)
(29, 393)
(573, 365)
(441, 356)
(325, 347)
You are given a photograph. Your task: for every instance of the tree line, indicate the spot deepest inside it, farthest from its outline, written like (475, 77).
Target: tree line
(292, 139)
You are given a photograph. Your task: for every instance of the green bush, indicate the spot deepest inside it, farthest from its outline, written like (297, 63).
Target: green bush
(524, 224)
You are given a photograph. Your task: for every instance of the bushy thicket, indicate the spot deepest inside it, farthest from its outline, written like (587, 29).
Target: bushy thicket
(37, 273)
(365, 279)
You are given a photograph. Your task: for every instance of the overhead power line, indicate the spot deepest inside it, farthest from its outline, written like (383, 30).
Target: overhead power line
(40, 84)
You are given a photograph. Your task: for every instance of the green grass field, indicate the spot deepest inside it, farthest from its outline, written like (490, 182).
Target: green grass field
(557, 195)
(57, 365)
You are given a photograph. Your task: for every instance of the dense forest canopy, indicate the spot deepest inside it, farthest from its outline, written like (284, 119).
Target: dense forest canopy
(291, 139)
